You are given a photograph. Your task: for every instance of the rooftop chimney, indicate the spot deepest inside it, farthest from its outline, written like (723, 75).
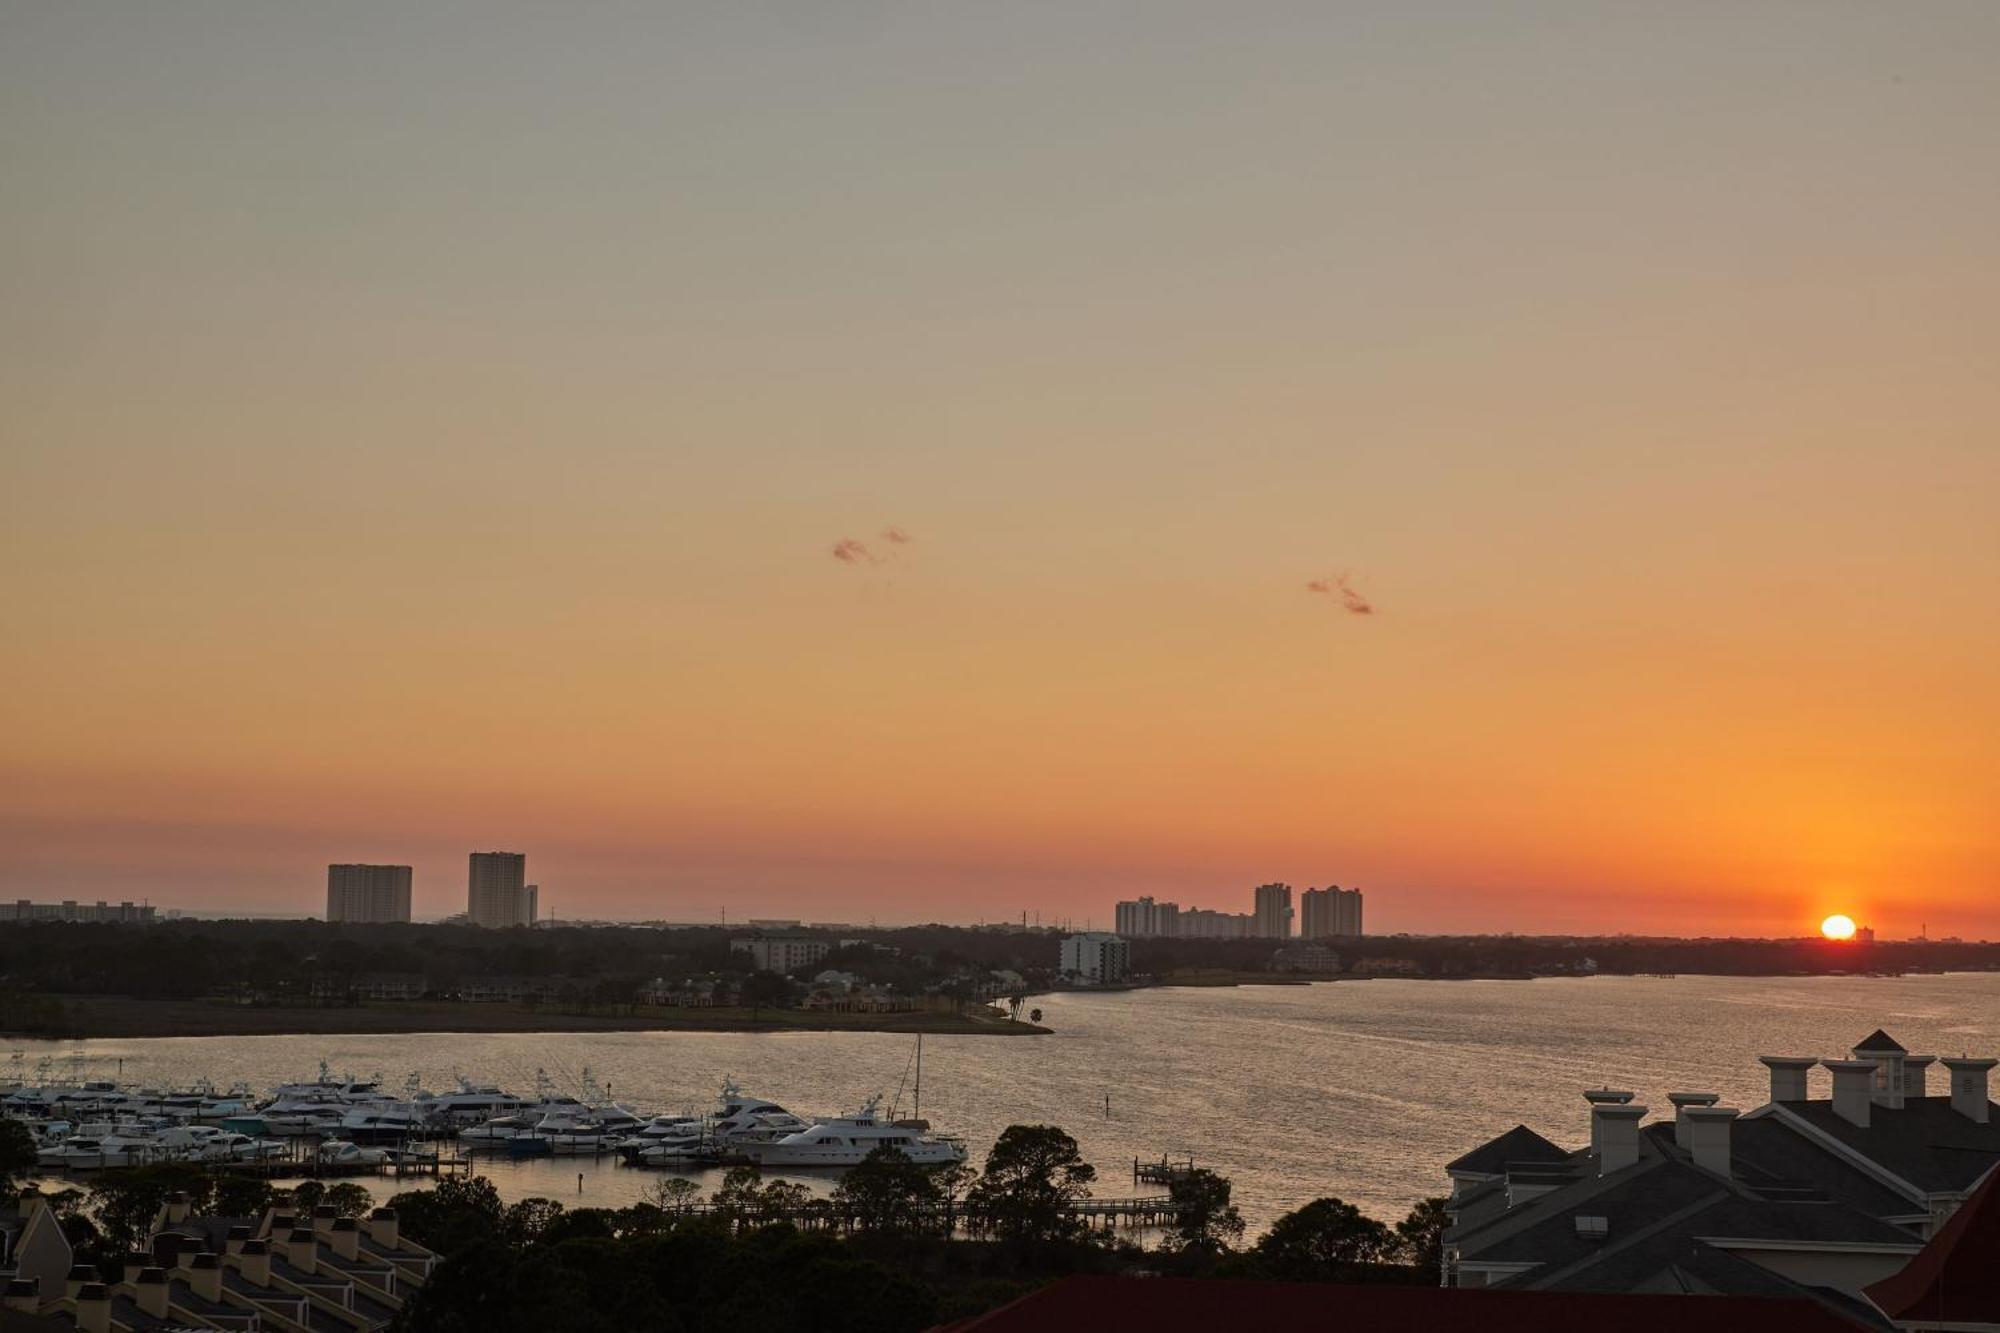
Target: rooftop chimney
(1682, 1101)
(1602, 1097)
(93, 1308)
(302, 1250)
(1708, 1136)
(23, 1293)
(205, 1276)
(80, 1276)
(254, 1262)
(150, 1291)
(1853, 1089)
(383, 1229)
(178, 1208)
(323, 1218)
(1968, 1086)
(233, 1242)
(1915, 1069)
(345, 1237)
(1614, 1128)
(1788, 1075)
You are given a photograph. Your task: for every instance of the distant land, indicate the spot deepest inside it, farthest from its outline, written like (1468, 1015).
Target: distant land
(196, 977)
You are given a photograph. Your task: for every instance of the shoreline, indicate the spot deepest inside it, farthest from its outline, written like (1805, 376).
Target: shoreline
(100, 1017)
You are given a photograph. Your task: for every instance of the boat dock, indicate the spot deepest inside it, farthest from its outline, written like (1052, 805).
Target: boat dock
(1163, 1172)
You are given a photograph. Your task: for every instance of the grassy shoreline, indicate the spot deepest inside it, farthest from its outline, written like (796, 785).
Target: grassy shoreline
(96, 1016)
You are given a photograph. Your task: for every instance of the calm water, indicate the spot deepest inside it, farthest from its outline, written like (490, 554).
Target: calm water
(1364, 1090)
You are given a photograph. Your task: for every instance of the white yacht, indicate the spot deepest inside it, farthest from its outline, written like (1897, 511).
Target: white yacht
(82, 1152)
(743, 1119)
(498, 1131)
(846, 1140)
(343, 1152)
(474, 1103)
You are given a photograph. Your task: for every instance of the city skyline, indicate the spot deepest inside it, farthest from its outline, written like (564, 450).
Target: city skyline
(933, 461)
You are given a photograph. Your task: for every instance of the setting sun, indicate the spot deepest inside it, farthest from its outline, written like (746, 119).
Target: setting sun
(1837, 927)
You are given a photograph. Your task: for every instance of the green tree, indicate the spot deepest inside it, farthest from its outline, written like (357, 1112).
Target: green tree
(1420, 1237)
(125, 1202)
(17, 1154)
(889, 1193)
(526, 1221)
(454, 1213)
(1322, 1242)
(676, 1196)
(1033, 1174)
(737, 1201)
(1206, 1221)
(242, 1196)
(347, 1199)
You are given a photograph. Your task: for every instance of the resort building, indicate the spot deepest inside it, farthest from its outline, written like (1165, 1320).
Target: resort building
(1272, 915)
(497, 891)
(1142, 918)
(71, 910)
(1329, 911)
(368, 893)
(278, 1272)
(1096, 958)
(782, 953)
(1835, 1198)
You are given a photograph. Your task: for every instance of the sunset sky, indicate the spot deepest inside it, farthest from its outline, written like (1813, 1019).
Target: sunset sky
(428, 427)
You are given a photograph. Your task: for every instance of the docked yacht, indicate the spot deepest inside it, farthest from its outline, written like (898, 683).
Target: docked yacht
(846, 1140)
(343, 1153)
(473, 1104)
(85, 1152)
(742, 1119)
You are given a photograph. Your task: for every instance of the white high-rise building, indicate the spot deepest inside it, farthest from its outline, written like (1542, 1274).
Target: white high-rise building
(1329, 911)
(1142, 918)
(497, 893)
(1273, 912)
(367, 893)
(1096, 957)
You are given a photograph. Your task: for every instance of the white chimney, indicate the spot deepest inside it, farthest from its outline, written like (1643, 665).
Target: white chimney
(1709, 1129)
(93, 1308)
(149, 1291)
(1915, 1070)
(1682, 1101)
(1853, 1089)
(205, 1276)
(1788, 1075)
(1968, 1086)
(23, 1294)
(383, 1229)
(1602, 1097)
(1614, 1128)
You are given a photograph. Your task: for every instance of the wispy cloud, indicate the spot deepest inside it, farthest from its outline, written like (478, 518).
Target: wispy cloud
(896, 536)
(1339, 586)
(851, 552)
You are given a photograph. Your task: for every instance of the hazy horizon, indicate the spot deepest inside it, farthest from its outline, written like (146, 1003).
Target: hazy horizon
(1536, 463)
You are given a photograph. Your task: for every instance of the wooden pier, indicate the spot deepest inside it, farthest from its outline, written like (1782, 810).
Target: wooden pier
(1163, 1172)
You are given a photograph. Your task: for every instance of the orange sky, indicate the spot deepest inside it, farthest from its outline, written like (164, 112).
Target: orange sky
(426, 434)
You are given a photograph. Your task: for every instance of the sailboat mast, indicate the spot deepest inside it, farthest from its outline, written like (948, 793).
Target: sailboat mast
(918, 1112)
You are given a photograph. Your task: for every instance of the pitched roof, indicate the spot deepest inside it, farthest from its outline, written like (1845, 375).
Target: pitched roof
(1170, 1305)
(1954, 1280)
(1878, 1040)
(1925, 1142)
(1519, 1144)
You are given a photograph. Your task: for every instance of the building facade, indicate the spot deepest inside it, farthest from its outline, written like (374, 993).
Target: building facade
(782, 953)
(1329, 911)
(1827, 1198)
(70, 910)
(1096, 957)
(1142, 918)
(367, 893)
(1272, 914)
(497, 891)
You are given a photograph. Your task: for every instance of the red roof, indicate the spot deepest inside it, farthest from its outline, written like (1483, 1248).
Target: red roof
(1954, 1278)
(1170, 1305)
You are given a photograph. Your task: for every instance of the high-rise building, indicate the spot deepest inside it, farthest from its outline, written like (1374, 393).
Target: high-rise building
(367, 893)
(1205, 923)
(1329, 911)
(1272, 916)
(1096, 957)
(497, 892)
(1143, 918)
